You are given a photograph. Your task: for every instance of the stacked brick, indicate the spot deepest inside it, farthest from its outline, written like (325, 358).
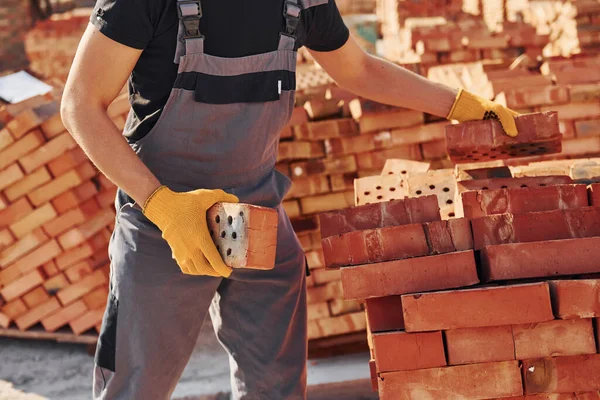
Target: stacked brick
(501, 303)
(15, 20)
(50, 46)
(56, 218)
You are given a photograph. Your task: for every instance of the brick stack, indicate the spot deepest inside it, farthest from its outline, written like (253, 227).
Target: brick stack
(501, 303)
(14, 22)
(51, 44)
(56, 217)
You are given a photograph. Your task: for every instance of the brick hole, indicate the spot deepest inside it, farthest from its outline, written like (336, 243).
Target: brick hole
(446, 189)
(367, 193)
(523, 185)
(392, 199)
(419, 192)
(367, 203)
(474, 152)
(378, 187)
(503, 187)
(379, 197)
(522, 150)
(234, 235)
(217, 219)
(542, 184)
(230, 220)
(504, 152)
(512, 154)
(391, 173)
(223, 234)
(512, 147)
(485, 188)
(404, 172)
(392, 189)
(431, 187)
(485, 154)
(469, 156)
(228, 252)
(541, 148)
(241, 213)
(449, 201)
(532, 145)
(451, 214)
(493, 157)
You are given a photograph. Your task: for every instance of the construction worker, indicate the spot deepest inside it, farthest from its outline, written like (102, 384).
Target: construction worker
(211, 86)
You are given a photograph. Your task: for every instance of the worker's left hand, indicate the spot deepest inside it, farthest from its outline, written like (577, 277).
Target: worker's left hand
(470, 107)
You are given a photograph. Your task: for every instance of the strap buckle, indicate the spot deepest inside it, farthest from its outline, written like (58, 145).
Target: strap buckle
(291, 12)
(190, 12)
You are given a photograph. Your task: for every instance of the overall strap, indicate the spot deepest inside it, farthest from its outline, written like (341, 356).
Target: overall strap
(189, 38)
(291, 13)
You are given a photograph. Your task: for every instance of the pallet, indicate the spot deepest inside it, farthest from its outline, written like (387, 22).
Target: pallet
(64, 335)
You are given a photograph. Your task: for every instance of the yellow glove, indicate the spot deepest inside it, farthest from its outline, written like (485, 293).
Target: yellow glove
(469, 107)
(182, 219)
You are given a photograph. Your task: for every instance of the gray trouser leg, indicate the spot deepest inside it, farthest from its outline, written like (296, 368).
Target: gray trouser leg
(260, 319)
(153, 317)
(155, 313)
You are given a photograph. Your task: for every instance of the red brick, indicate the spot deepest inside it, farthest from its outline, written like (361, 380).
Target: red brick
(540, 259)
(322, 275)
(10, 175)
(13, 309)
(54, 188)
(53, 126)
(21, 147)
(476, 381)
(22, 247)
(473, 141)
(401, 351)
(434, 150)
(374, 378)
(309, 186)
(5, 138)
(23, 123)
(56, 283)
(33, 220)
(594, 194)
(326, 129)
(6, 239)
(34, 315)
(385, 313)
(378, 245)
(81, 233)
(380, 215)
(374, 116)
(35, 297)
(562, 374)
(50, 268)
(576, 298)
(340, 306)
(28, 184)
(334, 326)
(481, 307)
(298, 150)
(15, 212)
(68, 161)
(87, 321)
(587, 128)
(532, 96)
(584, 92)
(79, 289)
(554, 338)
(375, 160)
(58, 319)
(4, 321)
(323, 166)
(480, 345)
(588, 110)
(536, 226)
(324, 293)
(327, 202)
(96, 298)
(480, 203)
(426, 273)
(48, 152)
(20, 286)
(512, 183)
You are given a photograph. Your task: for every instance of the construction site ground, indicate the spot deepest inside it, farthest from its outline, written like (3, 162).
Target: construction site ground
(40, 370)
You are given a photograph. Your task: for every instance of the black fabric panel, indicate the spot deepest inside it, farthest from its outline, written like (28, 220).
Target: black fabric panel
(107, 341)
(245, 88)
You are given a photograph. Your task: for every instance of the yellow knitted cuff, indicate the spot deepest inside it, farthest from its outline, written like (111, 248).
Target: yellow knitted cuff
(157, 205)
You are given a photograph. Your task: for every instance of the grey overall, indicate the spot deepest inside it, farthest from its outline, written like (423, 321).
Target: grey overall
(219, 129)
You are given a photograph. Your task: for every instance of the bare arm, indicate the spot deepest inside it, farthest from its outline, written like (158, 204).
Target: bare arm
(382, 81)
(100, 69)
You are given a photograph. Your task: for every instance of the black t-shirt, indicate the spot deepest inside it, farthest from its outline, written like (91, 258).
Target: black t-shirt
(232, 28)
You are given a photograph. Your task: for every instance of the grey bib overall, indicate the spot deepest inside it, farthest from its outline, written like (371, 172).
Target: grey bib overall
(219, 129)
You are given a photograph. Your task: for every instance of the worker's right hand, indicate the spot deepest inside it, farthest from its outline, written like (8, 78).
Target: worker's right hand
(181, 217)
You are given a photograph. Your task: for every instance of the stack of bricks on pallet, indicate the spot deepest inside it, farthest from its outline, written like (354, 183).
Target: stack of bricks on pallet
(499, 303)
(56, 219)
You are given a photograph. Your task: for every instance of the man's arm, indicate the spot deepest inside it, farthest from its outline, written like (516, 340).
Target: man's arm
(382, 81)
(99, 71)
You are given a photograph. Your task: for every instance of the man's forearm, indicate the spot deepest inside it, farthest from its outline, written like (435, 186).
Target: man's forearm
(105, 146)
(391, 84)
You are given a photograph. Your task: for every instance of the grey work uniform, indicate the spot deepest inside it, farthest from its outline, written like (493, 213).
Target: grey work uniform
(206, 138)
